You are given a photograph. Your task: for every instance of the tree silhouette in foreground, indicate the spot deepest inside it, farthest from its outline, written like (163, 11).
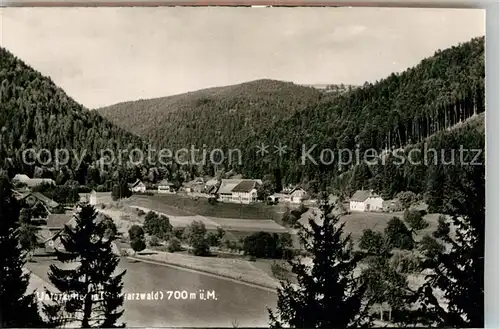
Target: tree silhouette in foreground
(99, 291)
(17, 308)
(459, 272)
(327, 294)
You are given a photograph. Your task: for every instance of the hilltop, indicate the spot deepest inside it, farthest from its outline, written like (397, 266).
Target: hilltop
(35, 113)
(212, 116)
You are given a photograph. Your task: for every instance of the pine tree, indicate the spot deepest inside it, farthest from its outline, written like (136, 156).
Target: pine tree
(92, 280)
(328, 295)
(459, 273)
(17, 308)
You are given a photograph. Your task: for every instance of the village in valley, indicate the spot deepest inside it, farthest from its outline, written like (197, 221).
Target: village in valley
(277, 216)
(295, 233)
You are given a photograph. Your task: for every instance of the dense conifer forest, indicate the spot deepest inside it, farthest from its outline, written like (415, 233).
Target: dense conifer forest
(35, 113)
(433, 98)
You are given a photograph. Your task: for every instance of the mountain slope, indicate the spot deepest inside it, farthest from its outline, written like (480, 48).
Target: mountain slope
(212, 116)
(402, 109)
(36, 114)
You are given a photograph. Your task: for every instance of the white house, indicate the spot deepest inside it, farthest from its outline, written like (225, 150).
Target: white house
(243, 191)
(289, 195)
(138, 186)
(225, 190)
(166, 187)
(364, 200)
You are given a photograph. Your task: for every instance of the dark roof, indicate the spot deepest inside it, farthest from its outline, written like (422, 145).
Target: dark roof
(134, 184)
(245, 186)
(47, 201)
(361, 195)
(55, 221)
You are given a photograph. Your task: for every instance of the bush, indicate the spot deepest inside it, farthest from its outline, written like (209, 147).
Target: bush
(178, 232)
(174, 245)
(138, 244)
(140, 212)
(103, 206)
(157, 225)
(372, 241)
(398, 235)
(415, 220)
(404, 262)
(262, 245)
(154, 241)
(135, 232)
(197, 239)
(430, 247)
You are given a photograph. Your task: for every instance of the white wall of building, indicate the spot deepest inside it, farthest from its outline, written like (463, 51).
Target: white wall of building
(374, 203)
(357, 206)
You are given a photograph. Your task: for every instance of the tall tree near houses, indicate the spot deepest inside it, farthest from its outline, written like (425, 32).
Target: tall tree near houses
(327, 294)
(17, 307)
(459, 272)
(94, 278)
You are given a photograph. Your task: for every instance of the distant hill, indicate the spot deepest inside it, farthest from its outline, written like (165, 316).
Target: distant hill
(35, 113)
(402, 109)
(212, 116)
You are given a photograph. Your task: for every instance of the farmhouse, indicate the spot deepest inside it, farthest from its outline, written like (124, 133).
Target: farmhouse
(31, 182)
(245, 192)
(166, 187)
(138, 186)
(242, 191)
(289, 195)
(32, 199)
(364, 200)
(49, 236)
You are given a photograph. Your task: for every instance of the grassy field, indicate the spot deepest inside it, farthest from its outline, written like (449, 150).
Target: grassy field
(357, 222)
(176, 205)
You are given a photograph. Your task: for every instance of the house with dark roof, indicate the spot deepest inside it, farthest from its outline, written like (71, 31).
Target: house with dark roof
(49, 236)
(31, 199)
(138, 186)
(243, 191)
(365, 200)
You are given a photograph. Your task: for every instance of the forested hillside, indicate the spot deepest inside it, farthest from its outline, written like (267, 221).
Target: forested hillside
(35, 113)
(219, 117)
(400, 110)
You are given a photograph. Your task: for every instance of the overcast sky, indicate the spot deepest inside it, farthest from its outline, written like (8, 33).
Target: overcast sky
(101, 56)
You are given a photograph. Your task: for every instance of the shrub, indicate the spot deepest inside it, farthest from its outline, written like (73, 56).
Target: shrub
(135, 232)
(398, 235)
(174, 245)
(138, 244)
(196, 238)
(415, 220)
(262, 245)
(154, 241)
(140, 212)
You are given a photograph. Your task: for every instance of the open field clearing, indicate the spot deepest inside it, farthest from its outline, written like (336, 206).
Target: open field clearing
(233, 224)
(357, 222)
(176, 205)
